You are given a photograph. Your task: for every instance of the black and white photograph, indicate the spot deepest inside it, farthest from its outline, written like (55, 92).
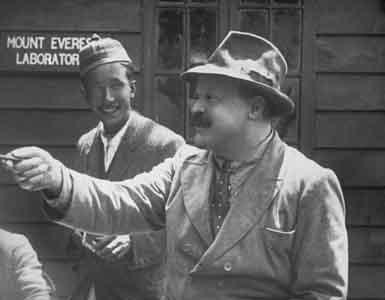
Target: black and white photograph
(192, 150)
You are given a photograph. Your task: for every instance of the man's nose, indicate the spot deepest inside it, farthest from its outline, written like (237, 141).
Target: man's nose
(196, 105)
(108, 95)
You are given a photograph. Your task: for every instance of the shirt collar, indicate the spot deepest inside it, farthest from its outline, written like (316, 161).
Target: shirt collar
(236, 165)
(108, 139)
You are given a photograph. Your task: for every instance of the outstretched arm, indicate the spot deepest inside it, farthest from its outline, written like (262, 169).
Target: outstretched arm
(81, 201)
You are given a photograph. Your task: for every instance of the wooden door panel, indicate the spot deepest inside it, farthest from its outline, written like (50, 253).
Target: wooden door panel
(367, 245)
(74, 15)
(350, 16)
(350, 130)
(350, 92)
(365, 207)
(366, 282)
(351, 54)
(355, 168)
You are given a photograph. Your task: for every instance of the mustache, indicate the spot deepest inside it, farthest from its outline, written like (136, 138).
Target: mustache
(107, 106)
(200, 120)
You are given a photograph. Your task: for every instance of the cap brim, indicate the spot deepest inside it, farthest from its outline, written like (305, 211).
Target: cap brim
(281, 102)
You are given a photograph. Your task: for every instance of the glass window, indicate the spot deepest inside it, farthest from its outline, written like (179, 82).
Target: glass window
(170, 39)
(284, 2)
(245, 2)
(170, 108)
(255, 21)
(286, 35)
(203, 1)
(288, 125)
(202, 34)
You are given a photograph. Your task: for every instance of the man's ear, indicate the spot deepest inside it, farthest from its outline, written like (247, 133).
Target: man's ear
(133, 88)
(257, 105)
(83, 91)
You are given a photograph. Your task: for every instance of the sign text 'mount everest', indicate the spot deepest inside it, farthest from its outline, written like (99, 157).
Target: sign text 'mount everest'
(45, 49)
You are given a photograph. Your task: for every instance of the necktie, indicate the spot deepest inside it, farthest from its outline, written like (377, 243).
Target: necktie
(220, 203)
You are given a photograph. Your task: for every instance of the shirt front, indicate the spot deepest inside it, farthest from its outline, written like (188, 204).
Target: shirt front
(228, 180)
(111, 143)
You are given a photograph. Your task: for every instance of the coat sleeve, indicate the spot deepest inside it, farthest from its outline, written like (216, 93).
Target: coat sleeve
(101, 206)
(320, 252)
(30, 280)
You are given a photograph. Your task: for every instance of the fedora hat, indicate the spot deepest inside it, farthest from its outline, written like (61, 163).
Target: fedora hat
(101, 51)
(252, 59)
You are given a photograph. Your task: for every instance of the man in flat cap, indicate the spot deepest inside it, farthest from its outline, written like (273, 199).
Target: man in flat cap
(246, 216)
(123, 144)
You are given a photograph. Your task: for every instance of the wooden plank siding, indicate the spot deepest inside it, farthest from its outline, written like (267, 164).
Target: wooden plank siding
(44, 106)
(349, 130)
(74, 15)
(356, 92)
(350, 16)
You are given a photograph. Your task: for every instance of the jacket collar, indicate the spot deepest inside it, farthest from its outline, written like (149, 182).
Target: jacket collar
(196, 180)
(131, 140)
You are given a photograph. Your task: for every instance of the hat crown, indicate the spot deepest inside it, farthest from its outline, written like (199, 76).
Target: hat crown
(252, 55)
(101, 51)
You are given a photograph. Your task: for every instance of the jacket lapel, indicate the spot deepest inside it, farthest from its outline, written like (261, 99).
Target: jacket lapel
(94, 155)
(196, 178)
(248, 206)
(132, 139)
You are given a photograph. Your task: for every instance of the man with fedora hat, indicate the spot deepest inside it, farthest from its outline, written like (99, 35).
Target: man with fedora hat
(246, 216)
(123, 144)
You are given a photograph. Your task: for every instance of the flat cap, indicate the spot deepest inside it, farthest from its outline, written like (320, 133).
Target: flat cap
(100, 51)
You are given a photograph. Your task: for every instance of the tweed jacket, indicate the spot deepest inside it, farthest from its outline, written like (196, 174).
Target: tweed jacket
(284, 236)
(138, 276)
(21, 275)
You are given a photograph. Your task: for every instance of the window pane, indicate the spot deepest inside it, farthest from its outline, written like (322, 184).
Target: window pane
(203, 1)
(243, 2)
(203, 34)
(255, 21)
(288, 125)
(287, 2)
(286, 35)
(170, 39)
(170, 102)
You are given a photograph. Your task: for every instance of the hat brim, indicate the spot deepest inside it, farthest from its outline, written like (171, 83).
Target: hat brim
(282, 104)
(104, 61)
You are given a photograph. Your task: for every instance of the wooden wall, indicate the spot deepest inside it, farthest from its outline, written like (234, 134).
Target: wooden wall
(44, 107)
(348, 83)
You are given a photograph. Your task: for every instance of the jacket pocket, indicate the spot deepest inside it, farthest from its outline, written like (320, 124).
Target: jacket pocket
(277, 239)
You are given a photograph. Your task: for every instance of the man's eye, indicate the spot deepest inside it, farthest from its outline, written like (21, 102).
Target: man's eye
(210, 98)
(194, 97)
(116, 85)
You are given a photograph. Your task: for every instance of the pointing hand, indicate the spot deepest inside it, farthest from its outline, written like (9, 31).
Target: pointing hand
(35, 170)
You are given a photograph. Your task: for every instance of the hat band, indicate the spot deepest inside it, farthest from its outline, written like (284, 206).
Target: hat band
(258, 77)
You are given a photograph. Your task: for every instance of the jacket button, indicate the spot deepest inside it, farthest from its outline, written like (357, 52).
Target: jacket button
(220, 283)
(227, 267)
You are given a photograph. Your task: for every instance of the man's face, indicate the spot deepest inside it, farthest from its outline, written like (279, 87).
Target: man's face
(219, 115)
(109, 93)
